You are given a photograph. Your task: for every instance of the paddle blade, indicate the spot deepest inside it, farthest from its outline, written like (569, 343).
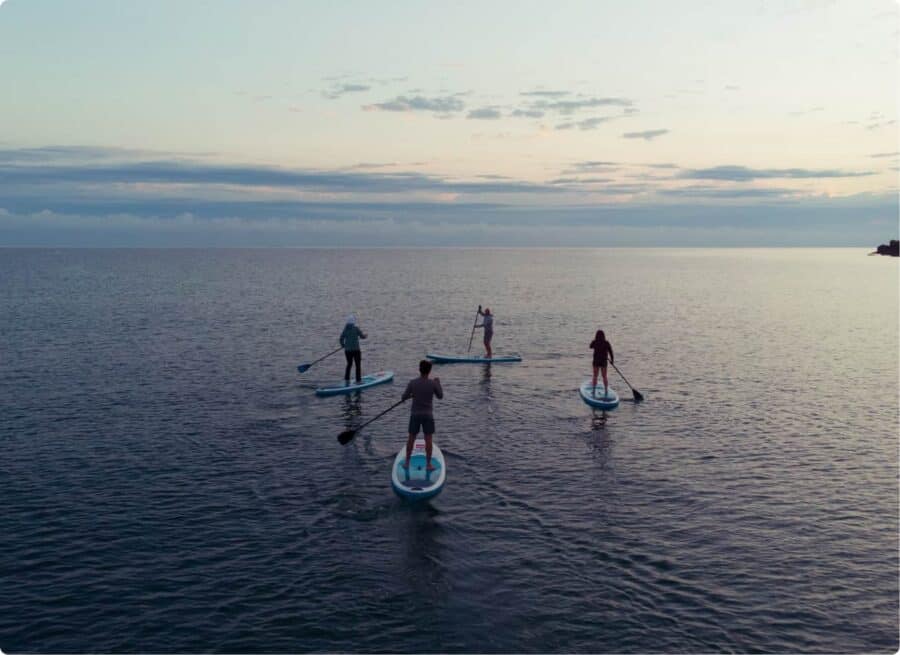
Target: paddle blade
(303, 368)
(345, 436)
(638, 396)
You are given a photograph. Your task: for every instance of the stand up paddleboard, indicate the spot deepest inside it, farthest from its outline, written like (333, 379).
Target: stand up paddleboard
(600, 398)
(478, 359)
(367, 381)
(416, 483)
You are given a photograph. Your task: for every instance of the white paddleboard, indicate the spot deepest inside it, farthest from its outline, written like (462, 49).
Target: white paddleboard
(477, 359)
(598, 396)
(367, 381)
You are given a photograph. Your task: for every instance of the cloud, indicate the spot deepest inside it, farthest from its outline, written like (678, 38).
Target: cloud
(543, 101)
(806, 112)
(877, 125)
(647, 135)
(885, 154)
(70, 153)
(719, 192)
(593, 165)
(580, 180)
(527, 113)
(484, 113)
(369, 165)
(545, 94)
(96, 196)
(567, 107)
(387, 80)
(743, 173)
(440, 104)
(111, 173)
(343, 89)
(587, 124)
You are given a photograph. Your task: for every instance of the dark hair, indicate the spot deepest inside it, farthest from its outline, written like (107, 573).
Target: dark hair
(600, 338)
(424, 367)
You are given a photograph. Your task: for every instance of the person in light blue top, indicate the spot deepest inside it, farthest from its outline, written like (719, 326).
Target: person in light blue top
(350, 341)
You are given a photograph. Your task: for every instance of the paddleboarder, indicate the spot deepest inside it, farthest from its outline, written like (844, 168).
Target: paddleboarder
(487, 323)
(422, 390)
(350, 341)
(603, 353)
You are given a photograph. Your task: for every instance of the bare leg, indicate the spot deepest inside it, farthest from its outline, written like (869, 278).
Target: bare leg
(594, 379)
(428, 449)
(487, 347)
(605, 382)
(409, 447)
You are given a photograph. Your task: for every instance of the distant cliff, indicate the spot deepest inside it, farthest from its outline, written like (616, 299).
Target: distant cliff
(893, 249)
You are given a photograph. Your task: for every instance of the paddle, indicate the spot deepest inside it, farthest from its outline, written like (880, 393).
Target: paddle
(303, 368)
(345, 436)
(469, 349)
(638, 396)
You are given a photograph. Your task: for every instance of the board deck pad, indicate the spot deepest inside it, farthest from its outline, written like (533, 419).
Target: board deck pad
(416, 482)
(417, 476)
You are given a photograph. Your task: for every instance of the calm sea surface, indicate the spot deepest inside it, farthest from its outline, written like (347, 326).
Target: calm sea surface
(169, 482)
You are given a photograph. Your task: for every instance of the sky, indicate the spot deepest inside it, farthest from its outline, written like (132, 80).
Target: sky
(419, 123)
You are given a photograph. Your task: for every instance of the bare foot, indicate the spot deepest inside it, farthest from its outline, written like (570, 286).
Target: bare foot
(430, 467)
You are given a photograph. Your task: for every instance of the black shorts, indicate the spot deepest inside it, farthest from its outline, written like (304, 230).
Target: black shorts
(425, 423)
(600, 362)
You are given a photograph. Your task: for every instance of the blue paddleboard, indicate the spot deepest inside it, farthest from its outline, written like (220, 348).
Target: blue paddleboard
(478, 359)
(415, 483)
(598, 397)
(367, 381)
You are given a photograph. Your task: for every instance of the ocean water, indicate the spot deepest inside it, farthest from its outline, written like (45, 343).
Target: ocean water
(170, 483)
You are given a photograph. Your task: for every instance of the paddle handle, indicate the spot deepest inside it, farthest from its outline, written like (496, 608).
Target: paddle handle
(472, 336)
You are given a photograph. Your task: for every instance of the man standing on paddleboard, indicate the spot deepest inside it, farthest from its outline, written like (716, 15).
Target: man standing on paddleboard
(422, 390)
(602, 352)
(488, 324)
(350, 341)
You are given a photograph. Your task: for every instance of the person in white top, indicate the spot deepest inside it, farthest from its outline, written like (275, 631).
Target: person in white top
(488, 324)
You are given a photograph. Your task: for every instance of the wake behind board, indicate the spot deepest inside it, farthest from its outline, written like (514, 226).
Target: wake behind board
(367, 381)
(416, 483)
(478, 359)
(600, 398)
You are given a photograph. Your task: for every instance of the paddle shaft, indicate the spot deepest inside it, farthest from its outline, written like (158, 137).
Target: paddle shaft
(469, 349)
(394, 406)
(638, 396)
(306, 366)
(346, 436)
